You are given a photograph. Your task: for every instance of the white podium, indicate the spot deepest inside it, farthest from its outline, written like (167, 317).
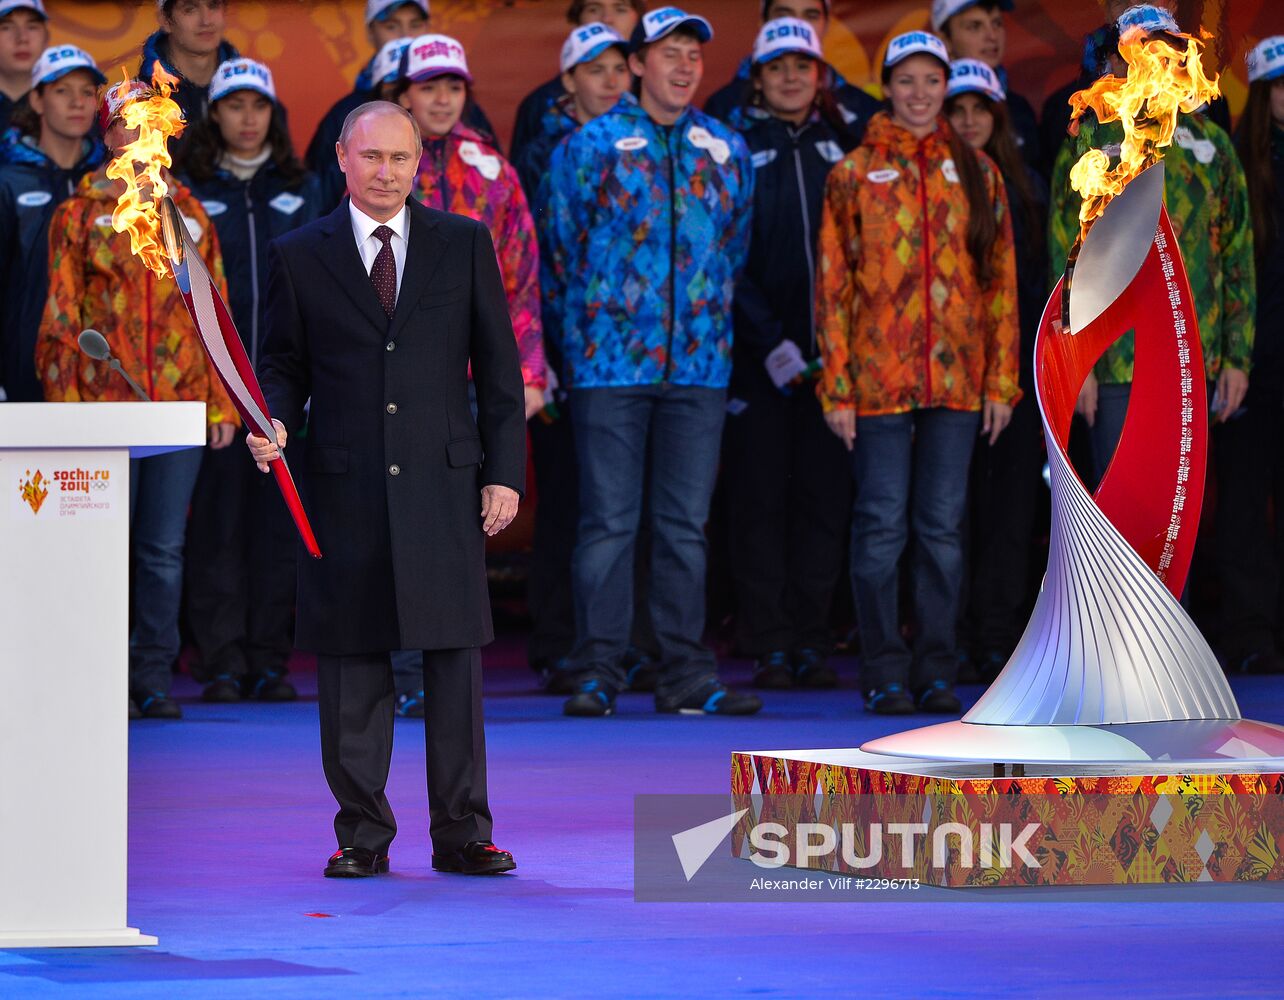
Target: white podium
(64, 659)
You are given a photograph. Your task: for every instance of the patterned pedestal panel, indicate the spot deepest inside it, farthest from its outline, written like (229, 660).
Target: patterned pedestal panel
(1093, 830)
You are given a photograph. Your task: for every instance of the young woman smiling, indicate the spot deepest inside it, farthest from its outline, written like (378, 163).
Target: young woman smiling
(917, 326)
(790, 487)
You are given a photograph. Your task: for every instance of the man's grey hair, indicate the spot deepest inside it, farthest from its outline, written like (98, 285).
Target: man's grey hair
(378, 108)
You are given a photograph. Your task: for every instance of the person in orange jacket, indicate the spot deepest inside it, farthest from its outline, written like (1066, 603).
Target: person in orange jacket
(96, 282)
(917, 326)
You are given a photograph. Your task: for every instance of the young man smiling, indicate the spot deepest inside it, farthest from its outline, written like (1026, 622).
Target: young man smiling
(648, 227)
(856, 105)
(24, 34)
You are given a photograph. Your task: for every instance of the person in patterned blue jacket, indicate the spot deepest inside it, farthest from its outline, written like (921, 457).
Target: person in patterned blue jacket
(46, 152)
(240, 560)
(649, 210)
(788, 485)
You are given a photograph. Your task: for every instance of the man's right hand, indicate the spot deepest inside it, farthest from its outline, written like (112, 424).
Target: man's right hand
(265, 451)
(1086, 406)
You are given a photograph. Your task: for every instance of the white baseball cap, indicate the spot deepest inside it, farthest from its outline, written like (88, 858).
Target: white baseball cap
(972, 76)
(242, 74)
(57, 61)
(1149, 19)
(912, 43)
(943, 10)
(435, 55)
(387, 64)
(9, 6)
(784, 35)
(1266, 60)
(656, 24)
(377, 10)
(588, 41)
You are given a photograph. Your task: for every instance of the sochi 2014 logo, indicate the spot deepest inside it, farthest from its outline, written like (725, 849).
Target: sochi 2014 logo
(34, 490)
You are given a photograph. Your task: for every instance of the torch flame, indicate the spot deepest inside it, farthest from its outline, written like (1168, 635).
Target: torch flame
(157, 117)
(1162, 80)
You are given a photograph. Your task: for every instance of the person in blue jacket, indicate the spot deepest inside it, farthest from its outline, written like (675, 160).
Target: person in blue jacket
(24, 34)
(46, 152)
(189, 44)
(855, 105)
(386, 20)
(649, 210)
(1006, 476)
(240, 560)
(788, 483)
(533, 114)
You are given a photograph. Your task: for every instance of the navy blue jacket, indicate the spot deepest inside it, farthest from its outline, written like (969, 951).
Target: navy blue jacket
(775, 294)
(248, 215)
(1032, 270)
(321, 158)
(856, 106)
(31, 187)
(191, 97)
(529, 125)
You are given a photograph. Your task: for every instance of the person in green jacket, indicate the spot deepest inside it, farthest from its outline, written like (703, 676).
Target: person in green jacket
(1207, 199)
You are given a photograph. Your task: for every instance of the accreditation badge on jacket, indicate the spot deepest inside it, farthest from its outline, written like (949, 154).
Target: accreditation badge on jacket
(702, 138)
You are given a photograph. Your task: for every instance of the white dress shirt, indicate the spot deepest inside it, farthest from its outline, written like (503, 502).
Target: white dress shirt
(368, 244)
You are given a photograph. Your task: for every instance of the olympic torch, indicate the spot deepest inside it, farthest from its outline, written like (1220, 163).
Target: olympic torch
(146, 212)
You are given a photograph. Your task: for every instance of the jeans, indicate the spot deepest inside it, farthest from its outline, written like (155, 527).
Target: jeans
(666, 437)
(160, 489)
(911, 471)
(1107, 426)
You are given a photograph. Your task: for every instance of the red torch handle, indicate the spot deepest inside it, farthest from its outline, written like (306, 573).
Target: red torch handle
(285, 482)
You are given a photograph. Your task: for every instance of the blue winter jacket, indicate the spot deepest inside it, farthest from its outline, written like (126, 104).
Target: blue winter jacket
(191, 97)
(648, 229)
(31, 187)
(247, 216)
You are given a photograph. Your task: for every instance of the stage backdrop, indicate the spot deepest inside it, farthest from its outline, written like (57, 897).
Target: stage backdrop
(316, 49)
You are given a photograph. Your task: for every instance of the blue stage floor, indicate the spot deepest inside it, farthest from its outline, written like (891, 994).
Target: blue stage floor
(230, 827)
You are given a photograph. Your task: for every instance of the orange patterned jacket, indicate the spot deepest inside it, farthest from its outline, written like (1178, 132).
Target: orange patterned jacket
(94, 281)
(902, 321)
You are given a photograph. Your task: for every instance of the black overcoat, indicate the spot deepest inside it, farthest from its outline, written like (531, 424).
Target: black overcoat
(394, 459)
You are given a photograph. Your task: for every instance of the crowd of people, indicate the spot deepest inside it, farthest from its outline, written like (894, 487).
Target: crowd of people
(824, 299)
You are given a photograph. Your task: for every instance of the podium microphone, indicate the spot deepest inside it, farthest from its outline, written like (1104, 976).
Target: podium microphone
(95, 345)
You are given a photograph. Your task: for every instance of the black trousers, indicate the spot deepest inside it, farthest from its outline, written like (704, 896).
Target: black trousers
(1248, 453)
(239, 568)
(789, 499)
(1006, 482)
(548, 593)
(357, 703)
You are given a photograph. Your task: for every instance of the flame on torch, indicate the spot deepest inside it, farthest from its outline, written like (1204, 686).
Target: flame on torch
(1162, 79)
(139, 164)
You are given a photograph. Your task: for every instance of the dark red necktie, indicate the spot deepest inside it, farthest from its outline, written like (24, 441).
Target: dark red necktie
(384, 272)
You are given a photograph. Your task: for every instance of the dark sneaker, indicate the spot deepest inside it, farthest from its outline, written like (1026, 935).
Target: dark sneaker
(134, 711)
(222, 689)
(889, 699)
(990, 664)
(269, 687)
(594, 698)
(411, 704)
(158, 705)
(773, 672)
(811, 669)
(641, 671)
(939, 698)
(1263, 661)
(561, 678)
(710, 698)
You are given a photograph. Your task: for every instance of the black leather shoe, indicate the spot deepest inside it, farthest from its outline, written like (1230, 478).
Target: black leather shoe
(356, 862)
(480, 857)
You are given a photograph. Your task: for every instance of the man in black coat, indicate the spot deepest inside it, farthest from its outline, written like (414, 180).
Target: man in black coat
(374, 313)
